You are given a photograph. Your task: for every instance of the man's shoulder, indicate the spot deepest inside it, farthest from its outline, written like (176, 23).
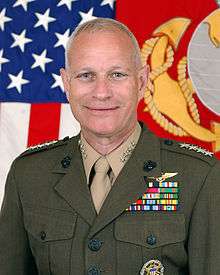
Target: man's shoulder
(44, 147)
(40, 159)
(173, 148)
(190, 151)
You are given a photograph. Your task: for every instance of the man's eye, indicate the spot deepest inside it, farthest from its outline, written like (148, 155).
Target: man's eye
(118, 75)
(86, 76)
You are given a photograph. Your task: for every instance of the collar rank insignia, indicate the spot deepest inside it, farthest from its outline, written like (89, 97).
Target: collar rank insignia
(161, 195)
(153, 267)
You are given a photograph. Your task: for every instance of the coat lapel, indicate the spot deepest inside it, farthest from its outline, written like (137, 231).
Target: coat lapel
(131, 183)
(72, 187)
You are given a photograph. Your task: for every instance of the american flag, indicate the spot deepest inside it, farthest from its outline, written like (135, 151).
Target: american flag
(33, 36)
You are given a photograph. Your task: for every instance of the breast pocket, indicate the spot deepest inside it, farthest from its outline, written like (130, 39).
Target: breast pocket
(145, 236)
(50, 234)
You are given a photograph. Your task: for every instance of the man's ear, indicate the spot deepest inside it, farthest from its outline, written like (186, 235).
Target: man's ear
(142, 80)
(66, 82)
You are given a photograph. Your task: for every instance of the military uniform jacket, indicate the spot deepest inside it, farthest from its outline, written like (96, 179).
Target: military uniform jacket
(48, 224)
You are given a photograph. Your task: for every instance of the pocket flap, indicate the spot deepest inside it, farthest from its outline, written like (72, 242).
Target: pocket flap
(49, 224)
(150, 230)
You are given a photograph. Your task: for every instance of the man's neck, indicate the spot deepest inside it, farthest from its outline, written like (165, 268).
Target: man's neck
(106, 144)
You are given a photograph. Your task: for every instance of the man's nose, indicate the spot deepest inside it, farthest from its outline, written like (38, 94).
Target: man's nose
(102, 89)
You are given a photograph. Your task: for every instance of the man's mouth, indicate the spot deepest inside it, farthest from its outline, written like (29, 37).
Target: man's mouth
(102, 109)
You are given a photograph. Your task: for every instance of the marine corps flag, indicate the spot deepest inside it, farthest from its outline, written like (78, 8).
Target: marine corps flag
(180, 40)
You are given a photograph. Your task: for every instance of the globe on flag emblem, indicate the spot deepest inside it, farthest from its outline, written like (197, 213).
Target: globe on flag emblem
(204, 61)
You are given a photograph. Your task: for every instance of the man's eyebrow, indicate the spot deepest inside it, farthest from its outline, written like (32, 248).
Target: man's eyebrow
(119, 68)
(83, 69)
(89, 69)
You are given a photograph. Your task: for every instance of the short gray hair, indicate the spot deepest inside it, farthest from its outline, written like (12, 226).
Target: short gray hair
(103, 24)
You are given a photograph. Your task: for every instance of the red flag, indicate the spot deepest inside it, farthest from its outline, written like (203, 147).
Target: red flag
(179, 20)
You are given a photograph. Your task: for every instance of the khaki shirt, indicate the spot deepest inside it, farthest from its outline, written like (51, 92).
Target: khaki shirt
(116, 159)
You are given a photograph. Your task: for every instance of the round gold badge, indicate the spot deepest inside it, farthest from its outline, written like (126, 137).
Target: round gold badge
(153, 267)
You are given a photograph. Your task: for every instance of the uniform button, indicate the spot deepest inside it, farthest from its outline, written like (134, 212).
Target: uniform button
(43, 235)
(149, 165)
(151, 240)
(168, 142)
(66, 162)
(93, 270)
(94, 245)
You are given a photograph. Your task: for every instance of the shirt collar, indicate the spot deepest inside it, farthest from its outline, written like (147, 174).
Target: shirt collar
(117, 158)
(89, 156)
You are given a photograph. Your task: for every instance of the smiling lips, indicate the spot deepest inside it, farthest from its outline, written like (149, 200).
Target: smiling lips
(102, 109)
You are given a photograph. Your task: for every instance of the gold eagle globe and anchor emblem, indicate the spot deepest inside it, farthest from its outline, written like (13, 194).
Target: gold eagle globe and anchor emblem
(153, 267)
(171, 102)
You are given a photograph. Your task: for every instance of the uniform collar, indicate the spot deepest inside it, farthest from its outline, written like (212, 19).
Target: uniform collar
(116, 159)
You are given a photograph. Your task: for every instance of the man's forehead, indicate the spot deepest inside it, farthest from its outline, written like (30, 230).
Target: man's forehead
(114, 34)
(93, 61)
(102, 44)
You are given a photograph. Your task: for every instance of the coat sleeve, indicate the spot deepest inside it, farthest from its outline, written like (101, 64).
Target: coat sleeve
(204, 231)
(15, 254)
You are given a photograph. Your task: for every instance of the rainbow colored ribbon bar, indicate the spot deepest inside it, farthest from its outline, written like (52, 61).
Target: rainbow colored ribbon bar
(159, 196)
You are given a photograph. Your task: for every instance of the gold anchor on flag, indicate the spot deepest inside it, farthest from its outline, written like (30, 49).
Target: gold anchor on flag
(170, 102)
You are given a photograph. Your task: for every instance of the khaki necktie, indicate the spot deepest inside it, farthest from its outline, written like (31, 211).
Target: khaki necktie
(101, 184)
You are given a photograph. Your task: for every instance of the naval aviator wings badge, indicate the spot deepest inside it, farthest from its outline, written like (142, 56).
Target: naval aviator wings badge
(160, 195)
(164, 177)
(152, 267)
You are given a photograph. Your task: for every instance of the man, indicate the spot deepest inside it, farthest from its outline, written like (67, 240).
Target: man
(115, 199)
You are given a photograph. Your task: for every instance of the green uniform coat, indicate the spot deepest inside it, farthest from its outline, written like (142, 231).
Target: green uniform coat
(48, 224)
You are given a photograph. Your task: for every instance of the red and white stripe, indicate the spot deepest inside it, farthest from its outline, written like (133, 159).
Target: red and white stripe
(23, 124)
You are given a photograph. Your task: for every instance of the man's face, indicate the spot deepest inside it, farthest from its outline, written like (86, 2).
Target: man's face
(103, 83)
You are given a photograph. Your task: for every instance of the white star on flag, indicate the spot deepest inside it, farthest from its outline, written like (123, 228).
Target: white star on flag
(20, 40)
(23, 3)
(41, 60)
(68, 3)
(108, 2)
(58, 82)
(17, 81)
(44, 19)
(62, 38)
(3, 19)
(2, 60)
(87, 16)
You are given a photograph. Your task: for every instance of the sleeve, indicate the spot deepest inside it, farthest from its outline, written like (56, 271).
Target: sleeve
(204, 230)
(15, 254)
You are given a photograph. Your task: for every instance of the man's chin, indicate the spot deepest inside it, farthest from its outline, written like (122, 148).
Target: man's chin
(101, 130)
